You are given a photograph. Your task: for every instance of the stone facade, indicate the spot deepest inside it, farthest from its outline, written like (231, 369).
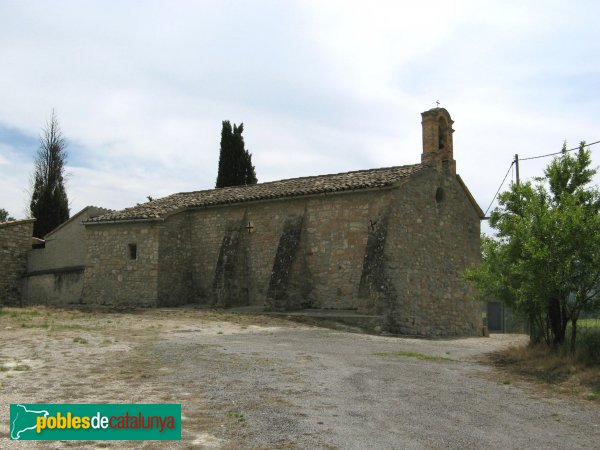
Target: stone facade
(398, 252)
(388, 243)
(15, 241)
(432, 237)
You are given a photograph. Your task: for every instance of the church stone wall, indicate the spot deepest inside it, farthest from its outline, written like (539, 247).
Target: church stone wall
(432, 236)
(213, 237)
(15, 242)
(337, 232)
(226, 256)
(175, 280)
(114, 276)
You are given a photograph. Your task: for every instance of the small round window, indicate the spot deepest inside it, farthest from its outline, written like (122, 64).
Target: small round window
(439, 195)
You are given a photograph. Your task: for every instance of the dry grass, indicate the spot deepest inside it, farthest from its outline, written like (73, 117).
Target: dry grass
(552, 371)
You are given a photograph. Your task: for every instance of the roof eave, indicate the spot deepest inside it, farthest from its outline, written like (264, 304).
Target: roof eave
(114, 221)
(472, 200)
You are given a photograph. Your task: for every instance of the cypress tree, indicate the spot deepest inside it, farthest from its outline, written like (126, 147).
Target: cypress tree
(49, 203)
(235, 162)
(250, 173)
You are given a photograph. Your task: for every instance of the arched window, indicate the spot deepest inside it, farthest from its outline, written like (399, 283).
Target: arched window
(439, 195)
(442, 132)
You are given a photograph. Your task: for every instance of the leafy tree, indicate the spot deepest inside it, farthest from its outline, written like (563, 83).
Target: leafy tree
(235, 162)
(545, 261)
(49, 204)
(4, 217)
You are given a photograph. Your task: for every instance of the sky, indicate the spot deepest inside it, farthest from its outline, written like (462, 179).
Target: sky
(141, 88)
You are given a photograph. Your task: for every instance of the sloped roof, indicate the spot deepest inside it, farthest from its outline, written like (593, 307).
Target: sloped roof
(90, 210)
(293, 187)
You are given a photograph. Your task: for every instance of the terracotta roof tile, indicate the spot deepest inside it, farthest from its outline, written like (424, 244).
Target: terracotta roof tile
(293, 187)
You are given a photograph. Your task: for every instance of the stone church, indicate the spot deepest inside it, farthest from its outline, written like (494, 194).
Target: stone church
(390, 242)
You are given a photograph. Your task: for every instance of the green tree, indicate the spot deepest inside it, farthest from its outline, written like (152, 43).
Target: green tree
(235, 162)
(545, 261)
(4, 216)
(49, 203)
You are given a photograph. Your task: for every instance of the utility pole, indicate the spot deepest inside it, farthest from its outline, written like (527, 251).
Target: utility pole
(516, 161)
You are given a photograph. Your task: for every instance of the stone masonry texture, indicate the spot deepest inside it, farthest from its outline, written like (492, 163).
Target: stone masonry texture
(113, 277)
(15, 242)
(314, 250)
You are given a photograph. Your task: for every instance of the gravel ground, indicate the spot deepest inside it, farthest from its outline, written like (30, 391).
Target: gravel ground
(255, 382)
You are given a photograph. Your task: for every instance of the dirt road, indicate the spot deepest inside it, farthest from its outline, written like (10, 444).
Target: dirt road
(255, 382)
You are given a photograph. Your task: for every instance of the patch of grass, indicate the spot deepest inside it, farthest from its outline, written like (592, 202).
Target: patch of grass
(236, 415)
(594, 395)
(22, 367)
(80, 340)
(51, 319)
(4, 369)
(506, 382)
(14, 313)
(416, 355)
(31, 324)
(71, 326)
(588, 323)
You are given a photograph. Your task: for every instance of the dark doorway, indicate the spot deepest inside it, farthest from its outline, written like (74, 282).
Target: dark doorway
(494, 317)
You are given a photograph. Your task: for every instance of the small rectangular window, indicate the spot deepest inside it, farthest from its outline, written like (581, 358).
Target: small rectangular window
(132, 251)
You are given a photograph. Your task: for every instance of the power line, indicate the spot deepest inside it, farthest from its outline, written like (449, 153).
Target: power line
(500, 187)
(558, 153)
(516, 161)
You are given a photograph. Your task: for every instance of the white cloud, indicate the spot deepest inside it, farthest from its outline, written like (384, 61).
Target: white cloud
(3, 159)
(321, 87)
(14, 182)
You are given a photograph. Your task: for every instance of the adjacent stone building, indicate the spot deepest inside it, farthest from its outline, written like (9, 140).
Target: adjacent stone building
(55, 270)
(15, 242)
(390, 242)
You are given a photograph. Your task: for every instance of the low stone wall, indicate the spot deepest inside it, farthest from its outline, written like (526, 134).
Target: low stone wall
(15, 242)
(60, 287)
